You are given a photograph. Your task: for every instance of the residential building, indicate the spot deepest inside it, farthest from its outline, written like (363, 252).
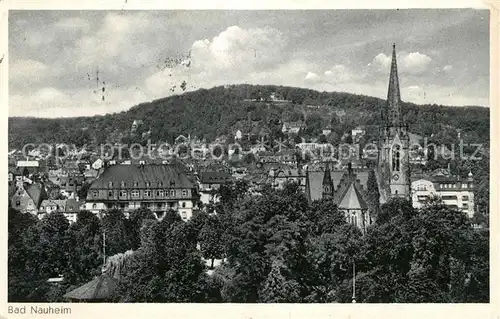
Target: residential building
(69, 207)
(279, 177)
(292, 127)
(98, 164)
(327, 131)
(158, 187)
(71, 184)
(455, 191)
(28, 197)
(136, 124)
(357, 134)
(32, 166)
(210, 182)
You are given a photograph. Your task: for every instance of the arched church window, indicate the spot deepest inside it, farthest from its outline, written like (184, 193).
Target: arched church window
(396, 158)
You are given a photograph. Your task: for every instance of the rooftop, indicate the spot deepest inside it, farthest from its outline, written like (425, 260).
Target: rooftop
(142, 176)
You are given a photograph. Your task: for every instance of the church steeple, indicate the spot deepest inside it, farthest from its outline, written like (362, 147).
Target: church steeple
(393, 106)
(394, 160)
(327, 183)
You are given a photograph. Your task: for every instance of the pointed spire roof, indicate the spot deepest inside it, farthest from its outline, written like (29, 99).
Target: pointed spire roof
(393, 107)
(327, 178)
(352, 199)
(327, 181)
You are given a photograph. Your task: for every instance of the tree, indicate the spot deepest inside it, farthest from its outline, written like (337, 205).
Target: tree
(82, 192)
(85, 253)
(373, 192)
(210, 238)
(42, 252)
(265, 227)
(166, 268)
(114, 225)
(135, 220)
(277, 288)
(325, 217)
(297, 139)
(330, 257)
(419, 255)
(323, 139)
(229, 193)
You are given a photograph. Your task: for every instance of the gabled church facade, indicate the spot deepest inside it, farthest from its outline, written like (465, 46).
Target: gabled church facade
(351, 190)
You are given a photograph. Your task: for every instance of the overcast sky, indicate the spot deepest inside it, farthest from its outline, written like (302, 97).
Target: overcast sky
(443, 55)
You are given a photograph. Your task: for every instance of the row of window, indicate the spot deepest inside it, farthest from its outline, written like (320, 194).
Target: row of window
(455, 185)
(148, 205)
(147, 193)
(453, 197)
(124, 184)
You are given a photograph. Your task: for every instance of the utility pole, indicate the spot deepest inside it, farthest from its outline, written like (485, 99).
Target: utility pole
(353, 282)
(103, 251)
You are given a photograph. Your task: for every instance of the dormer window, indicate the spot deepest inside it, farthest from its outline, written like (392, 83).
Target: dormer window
(172, 183)
(148, 184)
(122, 184)
(110, 184)
(160, 184)
(136, 184)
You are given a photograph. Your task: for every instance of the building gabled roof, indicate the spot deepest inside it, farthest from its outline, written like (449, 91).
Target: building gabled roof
(315, 181)
(36, 192)
(211, 177)
(100, 288)
(352, 198)
(169, 175)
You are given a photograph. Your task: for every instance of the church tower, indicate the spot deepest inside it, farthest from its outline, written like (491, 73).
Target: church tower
(328, 188)
(394, 160)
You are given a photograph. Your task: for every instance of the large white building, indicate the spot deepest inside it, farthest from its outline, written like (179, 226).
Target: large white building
(455, 191)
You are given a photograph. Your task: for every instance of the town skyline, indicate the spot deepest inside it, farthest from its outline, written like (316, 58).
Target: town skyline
(443, 62)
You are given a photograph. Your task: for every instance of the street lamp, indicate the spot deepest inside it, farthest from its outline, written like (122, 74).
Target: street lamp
(353, 282)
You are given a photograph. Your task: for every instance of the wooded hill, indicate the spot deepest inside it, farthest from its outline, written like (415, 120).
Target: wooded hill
(223, 110)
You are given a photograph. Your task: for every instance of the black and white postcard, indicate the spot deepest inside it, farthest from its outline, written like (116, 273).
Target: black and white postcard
(212, 156)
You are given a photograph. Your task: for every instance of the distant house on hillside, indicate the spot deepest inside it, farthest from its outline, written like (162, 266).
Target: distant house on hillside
(136, 124)
(357, 133)
(326, 131)
(182, 139)
(238, 135)
(292, 127)
(277, 97)
(340, 115)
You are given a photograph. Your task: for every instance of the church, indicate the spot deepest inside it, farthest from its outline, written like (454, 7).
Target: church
(353, 190)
